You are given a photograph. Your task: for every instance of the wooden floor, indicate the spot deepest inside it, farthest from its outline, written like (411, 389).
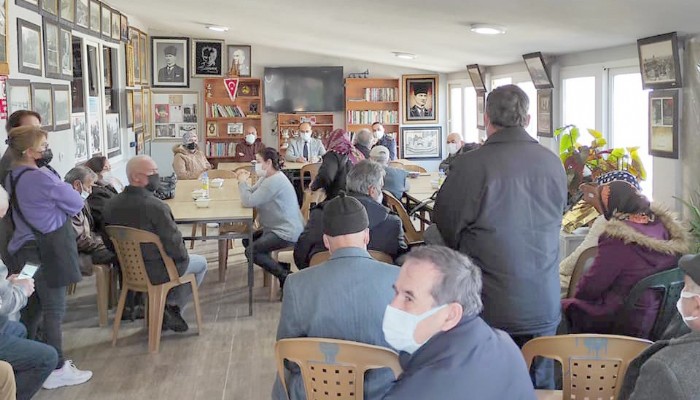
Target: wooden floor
(232, 359)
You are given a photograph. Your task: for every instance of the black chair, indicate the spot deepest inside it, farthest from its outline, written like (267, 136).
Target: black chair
(669, 284)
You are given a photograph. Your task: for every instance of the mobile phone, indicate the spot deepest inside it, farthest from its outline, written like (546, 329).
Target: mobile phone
(28, 271)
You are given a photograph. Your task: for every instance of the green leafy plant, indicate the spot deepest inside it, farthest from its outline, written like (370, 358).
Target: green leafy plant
(693, 219)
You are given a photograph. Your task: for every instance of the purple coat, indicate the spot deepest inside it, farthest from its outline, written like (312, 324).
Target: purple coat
(627, 253)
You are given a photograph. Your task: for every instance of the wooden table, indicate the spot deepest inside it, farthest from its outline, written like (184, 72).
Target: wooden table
(232, 166)
(228, 191)
(549, 394)
(420, 189)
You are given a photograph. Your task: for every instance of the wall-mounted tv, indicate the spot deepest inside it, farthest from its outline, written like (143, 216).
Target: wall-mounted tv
(303, 89)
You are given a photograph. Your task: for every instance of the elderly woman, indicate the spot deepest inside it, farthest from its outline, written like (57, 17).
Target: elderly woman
(188, 161)
(341, 156)
(639, 240)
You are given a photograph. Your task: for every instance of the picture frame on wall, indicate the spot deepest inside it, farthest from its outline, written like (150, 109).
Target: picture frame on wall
(421, 142)
(476, 77)
(114, 143)
(29, 48)
(116, 21)
(539, 74)
(82, 14)
(42, 103)
(66, 58)
(659, 61)
(49, 8)
(129, 60)
(134, 41)
(4, 40)
(61, 100)
(28, 4)
(143, 57)
(124, 28)
(664, 117)
(207, 58)
(129, 108)
(170, 62)
(138, 110)
(544, 113)
(52, 51)
(66, 12)
(174, 113)
(480, 109)
(105, 21)
(242, 56)
(420, 94)
(80, 143)
(19, 95)
(147, 116)
(95, 16)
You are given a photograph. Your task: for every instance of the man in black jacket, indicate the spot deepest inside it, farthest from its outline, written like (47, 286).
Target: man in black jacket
(364, 182)
(137, 207)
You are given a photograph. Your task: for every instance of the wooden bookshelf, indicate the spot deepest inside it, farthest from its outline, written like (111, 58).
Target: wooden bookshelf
(221, 112)
(288, 127)
(370, 100)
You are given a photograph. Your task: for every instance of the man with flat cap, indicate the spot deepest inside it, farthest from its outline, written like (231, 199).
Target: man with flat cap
(668, 368)
(420, 97)
(171, 72)
(343, 298)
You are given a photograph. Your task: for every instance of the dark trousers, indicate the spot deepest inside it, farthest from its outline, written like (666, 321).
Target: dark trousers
(264, 243)
(31, 361)
(542, 369)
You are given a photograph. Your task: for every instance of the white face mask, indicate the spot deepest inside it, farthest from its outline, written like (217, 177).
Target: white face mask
(250, 138)
(259, 170)
(399, 328)
(679, 306)
(83, 193)
(453, 148)
(306, 136)
(379, 134)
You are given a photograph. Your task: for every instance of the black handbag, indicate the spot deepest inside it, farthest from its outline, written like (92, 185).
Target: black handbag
(166, 190)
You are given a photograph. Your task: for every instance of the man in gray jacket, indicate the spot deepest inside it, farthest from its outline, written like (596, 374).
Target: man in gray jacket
(502, 205)
(668, 369)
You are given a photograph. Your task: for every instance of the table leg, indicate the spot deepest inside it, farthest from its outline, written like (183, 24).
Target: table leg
(223, 259)
(250, 269)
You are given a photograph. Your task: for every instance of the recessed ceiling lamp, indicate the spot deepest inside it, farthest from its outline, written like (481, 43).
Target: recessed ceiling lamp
(488, 29)
(217, 28)
(405, 56)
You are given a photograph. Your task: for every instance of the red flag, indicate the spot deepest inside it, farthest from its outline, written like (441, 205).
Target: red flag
(231, 87)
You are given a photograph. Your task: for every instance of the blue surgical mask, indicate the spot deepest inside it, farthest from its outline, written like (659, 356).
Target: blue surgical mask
(84, 193)
(400, 326)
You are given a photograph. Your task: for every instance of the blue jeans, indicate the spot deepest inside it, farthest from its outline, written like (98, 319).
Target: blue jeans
(179, 296)
(32, 361)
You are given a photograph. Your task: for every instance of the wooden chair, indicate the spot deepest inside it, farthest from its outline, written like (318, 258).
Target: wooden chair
(311, 170)
(127, 244)
(324, 256)
(212, 174)
(311, 197)
(583, 264)
(413, 236)
(414, 168)
(396, 164)
(593, 366)
(333, 369)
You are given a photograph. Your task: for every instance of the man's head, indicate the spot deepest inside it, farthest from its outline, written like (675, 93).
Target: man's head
(82, 179)
(251, 134)
(506, 107)
(689, 303)
(345, 223)
(420, 94)
(366, 177)
(454, 142)
(142, 171)
(23, 118)
(364, 137)
(239, 57)
(436, 287)
(378, 130)
(305, 131)
(209, 55)
(170, 53)
(380, 155)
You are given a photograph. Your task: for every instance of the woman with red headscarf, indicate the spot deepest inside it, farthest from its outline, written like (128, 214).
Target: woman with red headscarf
(341, 156)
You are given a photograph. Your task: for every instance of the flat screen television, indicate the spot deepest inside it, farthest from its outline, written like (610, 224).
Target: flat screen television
(303, 89)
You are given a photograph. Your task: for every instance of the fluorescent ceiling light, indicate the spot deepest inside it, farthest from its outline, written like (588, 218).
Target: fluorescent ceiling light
(405, 56)
(217, 28)
(488, 29)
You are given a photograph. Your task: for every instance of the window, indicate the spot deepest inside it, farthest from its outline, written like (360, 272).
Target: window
(462, 110)
(529, 88)
(501, 82)
(579, 105)
(456, 117)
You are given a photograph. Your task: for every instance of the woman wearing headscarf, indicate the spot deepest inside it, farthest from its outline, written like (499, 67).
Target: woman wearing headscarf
(639, 240)
(337, 161)
(189, 162)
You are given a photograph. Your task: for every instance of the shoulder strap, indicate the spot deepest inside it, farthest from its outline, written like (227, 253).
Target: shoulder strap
(15, 203)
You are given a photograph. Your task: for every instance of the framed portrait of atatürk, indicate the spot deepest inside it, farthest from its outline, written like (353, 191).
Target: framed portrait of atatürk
(169, 62)
(659, 61)
(207, 58)
(420, 94)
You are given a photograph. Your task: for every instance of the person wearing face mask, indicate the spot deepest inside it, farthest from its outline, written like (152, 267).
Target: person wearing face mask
(668, 368)
(364, 183)
(137, 207)
(343, 298)
(395, 180)
(102, 191)
(188, 161)
(41, 208)
(341, 156)
(306, 148)
(385, 140)
(247, 149)
(446, 350)
(639, 240)
(455, 146)
(275, 200)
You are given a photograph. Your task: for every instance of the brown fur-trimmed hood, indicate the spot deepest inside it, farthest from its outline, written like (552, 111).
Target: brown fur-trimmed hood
(678, 243)
(180, 149)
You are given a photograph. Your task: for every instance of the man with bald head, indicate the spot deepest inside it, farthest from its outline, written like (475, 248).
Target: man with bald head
(247, 149)
(455, 146)
(137, 207)
(305, 148)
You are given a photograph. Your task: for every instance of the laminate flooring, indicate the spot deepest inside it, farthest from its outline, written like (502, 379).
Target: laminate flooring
(233, 358)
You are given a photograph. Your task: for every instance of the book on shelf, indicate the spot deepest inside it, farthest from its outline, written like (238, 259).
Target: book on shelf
(381, 94)
(370, 117)
(220, 149)
(224, 111)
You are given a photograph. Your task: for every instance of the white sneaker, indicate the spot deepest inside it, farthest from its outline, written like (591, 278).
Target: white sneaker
(68, 375)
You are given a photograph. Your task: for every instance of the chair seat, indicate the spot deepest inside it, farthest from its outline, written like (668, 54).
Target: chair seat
(549, 394)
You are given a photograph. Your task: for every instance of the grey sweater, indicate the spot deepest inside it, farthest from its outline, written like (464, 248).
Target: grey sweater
(12, 298)
(276, 201)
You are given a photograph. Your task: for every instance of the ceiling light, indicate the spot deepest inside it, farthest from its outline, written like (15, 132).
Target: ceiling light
(218, 28)
(405, 56)
(488, 29)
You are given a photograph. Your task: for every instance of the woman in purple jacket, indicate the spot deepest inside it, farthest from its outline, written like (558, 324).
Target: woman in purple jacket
(639, 240)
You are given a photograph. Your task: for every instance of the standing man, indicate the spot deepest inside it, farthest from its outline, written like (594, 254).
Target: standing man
(385, 140)
(305, 148)
(420, 98)
(455, 146)
(171, 72)
(246, 150)
(502, 205)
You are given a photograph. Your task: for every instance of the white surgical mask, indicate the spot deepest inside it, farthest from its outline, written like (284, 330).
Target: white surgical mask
(83, 193)
(400, 326)
(453, 148)
(250, 138)
(379, 134)
(679, 305)
(259, 171)
(306, 136)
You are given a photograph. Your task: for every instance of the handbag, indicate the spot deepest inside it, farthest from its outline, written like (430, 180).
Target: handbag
(166, 190)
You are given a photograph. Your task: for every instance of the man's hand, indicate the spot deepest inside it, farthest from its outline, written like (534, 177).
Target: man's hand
(26, 284)
(301, 160)
(242, 175)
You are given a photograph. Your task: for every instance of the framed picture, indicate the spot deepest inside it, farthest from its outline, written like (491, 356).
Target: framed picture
(114, 143)
(129, 108)
(174, 113)
(165, 131)
(234, 128)
(420, 99)
(82, 14)
(116, 19)
(240, 55)
(52, 55)
(664, 109)
(147, 116)
(29, 48)
(659, 62)
(143, 57)
(30, 4)
(207, 58)
(138, 110)
(61, 107)
(95, 16)
(476, 77)
(544, 113)
(124, 28)
(66, 49)
(480, 109)
(538, 70)
(129, 60)
(67, 11)
(49, 7)
(106, 21)
(169, 62)
(42, 104)
(4, 41)
(19, 95)
(423, 142)
(78, 84)
(80, 143)
(212, 129)
(134, 41)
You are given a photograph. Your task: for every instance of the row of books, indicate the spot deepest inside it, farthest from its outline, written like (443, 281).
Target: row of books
(222, 111)
(213, 149)
(381, 94)
(369, 117)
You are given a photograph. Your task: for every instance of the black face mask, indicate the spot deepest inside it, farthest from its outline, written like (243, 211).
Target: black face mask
(46, 157)
(153, 182)
(191, 146)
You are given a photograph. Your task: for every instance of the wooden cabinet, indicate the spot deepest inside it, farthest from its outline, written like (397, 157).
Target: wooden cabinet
(370, 100)
(288, 127)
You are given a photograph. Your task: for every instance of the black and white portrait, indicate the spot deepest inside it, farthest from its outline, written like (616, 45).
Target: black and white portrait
(95, 16)
(82, 13)
(112, 128)
(240, 56)
(207, 57)
(538, 70)
(66, 57)
(165, 131)
(29, 42)
(61, 106)
(659, 61)
(106, 21)
(95, 134)
(19, 96)
(79, 137)
(169, 57)
(41, 103)
(67, 10)
(421, 142)
(49, 7)
(51, 50)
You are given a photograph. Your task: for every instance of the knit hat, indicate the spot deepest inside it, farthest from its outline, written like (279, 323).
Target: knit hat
(618, 176)
(187, 136)
(344, 215)
(690, 264)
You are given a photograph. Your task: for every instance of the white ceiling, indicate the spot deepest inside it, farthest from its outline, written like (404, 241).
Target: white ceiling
(436, 31)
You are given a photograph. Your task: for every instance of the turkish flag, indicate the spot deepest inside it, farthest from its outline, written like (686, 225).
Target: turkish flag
(231, 87)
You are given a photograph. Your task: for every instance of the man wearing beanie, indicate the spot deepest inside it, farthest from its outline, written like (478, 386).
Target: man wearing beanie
(343, 298)
(668, 369)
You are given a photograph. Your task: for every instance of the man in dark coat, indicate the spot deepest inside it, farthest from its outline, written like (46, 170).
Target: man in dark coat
(502, 205)
(364, 183)
(447, 351)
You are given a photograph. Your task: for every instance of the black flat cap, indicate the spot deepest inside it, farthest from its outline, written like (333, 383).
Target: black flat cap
(344, 215)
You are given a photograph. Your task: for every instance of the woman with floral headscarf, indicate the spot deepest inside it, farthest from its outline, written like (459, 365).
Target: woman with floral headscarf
(188, 161)
(337, 161)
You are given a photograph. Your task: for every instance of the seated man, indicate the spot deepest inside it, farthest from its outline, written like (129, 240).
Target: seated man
(246, 150)
(364, 183)
(447, 351)
(385, 140)
(350, 290)
(455, 146)
(305, 148)
(91, 249)
(395, 180)
(363, 142)
(668, 369)
(137, 207)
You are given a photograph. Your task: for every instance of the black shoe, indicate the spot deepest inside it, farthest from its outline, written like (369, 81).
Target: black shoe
(287, 266)
(173, 320)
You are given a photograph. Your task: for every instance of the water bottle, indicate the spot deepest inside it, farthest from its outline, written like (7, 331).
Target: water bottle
(205, 184)
(441, 177)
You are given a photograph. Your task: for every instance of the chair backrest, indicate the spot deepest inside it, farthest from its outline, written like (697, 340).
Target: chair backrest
(311, 197)
(324, 256)
(221, 174)
(669, 285)
(311, 170)
(396, 164)
(583, 264)
(333, 369)
(593, 366)
(412, 234)
(414, 168)
(127, 244)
